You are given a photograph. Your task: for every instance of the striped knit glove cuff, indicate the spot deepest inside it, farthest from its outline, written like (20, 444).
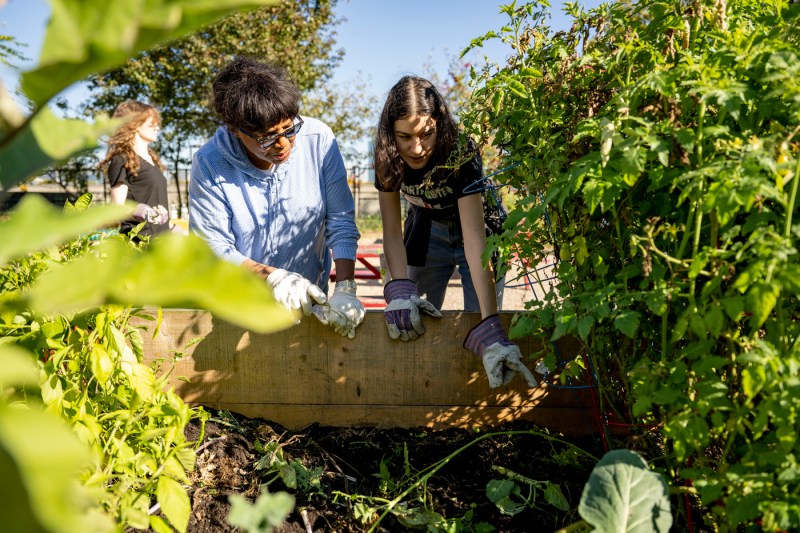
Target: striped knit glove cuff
(489, 331)
(402, 311)
(399, 288)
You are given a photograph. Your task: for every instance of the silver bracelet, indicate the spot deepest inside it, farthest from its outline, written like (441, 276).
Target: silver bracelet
(346, 283)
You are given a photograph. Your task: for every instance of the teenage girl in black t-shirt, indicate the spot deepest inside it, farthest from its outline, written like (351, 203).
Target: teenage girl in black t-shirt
(445, 227)
(134, 170)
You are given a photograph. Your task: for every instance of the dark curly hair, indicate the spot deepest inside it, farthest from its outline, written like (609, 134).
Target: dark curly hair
(411, 95)
(254, 95)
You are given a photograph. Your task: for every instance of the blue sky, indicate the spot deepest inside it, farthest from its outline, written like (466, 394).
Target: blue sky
(386, 39)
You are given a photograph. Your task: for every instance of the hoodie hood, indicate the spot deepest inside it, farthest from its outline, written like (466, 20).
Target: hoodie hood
(230, 148)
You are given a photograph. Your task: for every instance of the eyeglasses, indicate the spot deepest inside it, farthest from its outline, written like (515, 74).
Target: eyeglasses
(269, 140)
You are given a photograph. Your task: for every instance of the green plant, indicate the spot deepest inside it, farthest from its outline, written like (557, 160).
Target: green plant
(65, 298)
(40, 454)
(85, 37)
(623, 482)
(369, 223)
(89, 357)
(293, 473)
(658, 140)
(412, 486)
(507, 495)
(261, 516)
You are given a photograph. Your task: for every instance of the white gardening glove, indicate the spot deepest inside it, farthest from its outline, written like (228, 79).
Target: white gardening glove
(344, 312)
(337, 321)
(502, 362)
(403, 319)
(295, 292)
(501, 357)
(153, 215)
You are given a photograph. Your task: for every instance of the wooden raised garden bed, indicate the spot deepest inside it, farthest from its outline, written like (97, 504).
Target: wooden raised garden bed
(308, 374)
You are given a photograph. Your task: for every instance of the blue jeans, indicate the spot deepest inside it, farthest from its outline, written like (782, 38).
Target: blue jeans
(445, 254)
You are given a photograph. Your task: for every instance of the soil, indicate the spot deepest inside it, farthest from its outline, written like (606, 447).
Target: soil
(377, 465)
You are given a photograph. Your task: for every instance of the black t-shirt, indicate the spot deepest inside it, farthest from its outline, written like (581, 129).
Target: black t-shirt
(440, 196)
(437, 200)
(148, 186)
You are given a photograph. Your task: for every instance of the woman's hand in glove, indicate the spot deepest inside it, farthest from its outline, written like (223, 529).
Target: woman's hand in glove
(153, 215)
(295, 292)
(344, 311)
(402, 312)
(501, 357)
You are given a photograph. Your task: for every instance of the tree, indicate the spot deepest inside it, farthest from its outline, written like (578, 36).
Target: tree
(9, 52)
(175, 77)
(10, 49)
(345, 110)
(72, 175)
(456, 88)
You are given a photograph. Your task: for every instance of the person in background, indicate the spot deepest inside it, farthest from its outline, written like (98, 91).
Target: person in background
(134, 170)
(444, 227)
(269, 192)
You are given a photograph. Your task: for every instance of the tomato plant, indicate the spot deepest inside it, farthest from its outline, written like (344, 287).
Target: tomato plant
(660, 140)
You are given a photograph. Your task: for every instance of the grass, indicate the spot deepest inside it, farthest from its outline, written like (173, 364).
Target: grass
(369, 224)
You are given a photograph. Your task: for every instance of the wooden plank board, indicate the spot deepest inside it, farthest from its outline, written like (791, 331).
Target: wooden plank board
(308, 374)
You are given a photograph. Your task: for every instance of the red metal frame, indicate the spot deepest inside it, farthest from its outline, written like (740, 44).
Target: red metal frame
(368, 270)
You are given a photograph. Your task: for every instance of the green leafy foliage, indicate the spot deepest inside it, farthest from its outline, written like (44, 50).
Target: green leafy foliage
(510, 498)
(657, 157)
(90, 375)
(624, 495)
(174, 271)
(265, 513)
(293, 473)
(39, 460)
(87, 36)
(175, 76)
(405, 492)
(44, 139)
(89, 437)
(70, 307)
(37, 225)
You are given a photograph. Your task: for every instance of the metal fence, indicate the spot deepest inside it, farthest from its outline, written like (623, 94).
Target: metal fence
(359, 178)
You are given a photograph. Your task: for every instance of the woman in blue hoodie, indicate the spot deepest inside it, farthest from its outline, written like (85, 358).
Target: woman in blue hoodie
(269, 192)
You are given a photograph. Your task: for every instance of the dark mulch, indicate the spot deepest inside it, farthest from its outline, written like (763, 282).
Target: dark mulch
(347, 462)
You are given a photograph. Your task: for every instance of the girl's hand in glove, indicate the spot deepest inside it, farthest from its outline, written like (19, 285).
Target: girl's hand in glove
(344, 311)
(295, 292)
(501, 357)
(153, 215)
(402, 312)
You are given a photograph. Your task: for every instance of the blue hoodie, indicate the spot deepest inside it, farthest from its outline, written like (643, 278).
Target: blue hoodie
(291, 216)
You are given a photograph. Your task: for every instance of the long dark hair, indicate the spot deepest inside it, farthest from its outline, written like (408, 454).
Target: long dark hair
(411, 95)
